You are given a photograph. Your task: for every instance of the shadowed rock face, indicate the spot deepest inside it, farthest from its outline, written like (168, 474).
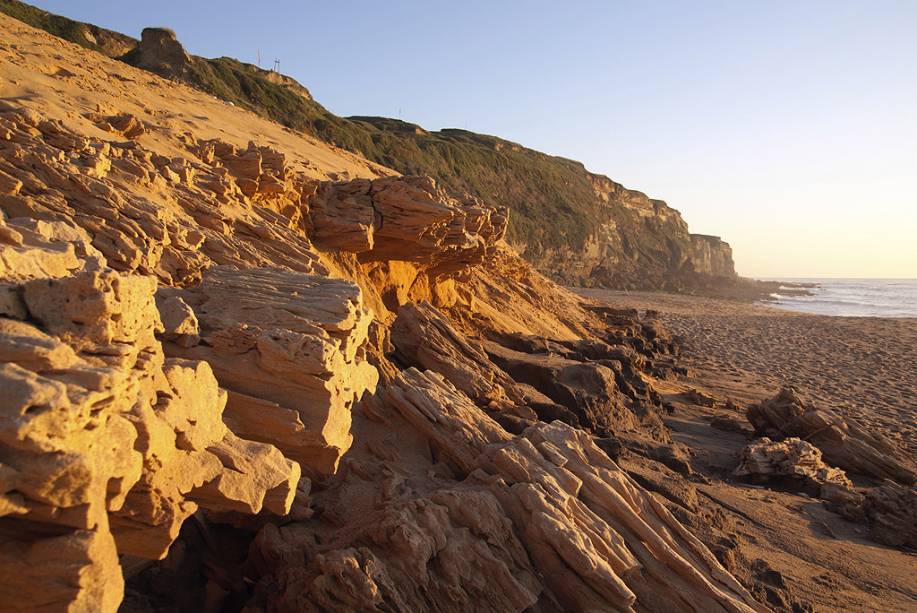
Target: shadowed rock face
(587, 390)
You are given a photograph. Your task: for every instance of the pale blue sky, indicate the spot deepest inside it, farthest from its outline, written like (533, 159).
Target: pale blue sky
(788, 128)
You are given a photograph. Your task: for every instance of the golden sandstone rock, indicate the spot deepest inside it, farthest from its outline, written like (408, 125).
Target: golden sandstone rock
(105, 444)
(289, 348)
(187, 325)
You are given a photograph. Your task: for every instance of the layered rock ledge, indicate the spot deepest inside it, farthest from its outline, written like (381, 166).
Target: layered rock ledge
(289, 348)
(106, 445)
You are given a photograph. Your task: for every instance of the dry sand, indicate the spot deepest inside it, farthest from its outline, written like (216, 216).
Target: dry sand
(34, 63)
(864, 367)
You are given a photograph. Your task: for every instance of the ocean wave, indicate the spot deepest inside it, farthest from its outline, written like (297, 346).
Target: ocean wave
(866, 298)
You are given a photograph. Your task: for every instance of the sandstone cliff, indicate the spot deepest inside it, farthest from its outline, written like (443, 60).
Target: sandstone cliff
(303, 382)
(712, 255)
(575, 226)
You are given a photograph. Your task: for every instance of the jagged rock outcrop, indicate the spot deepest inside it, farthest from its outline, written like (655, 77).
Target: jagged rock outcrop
(179, 323)
(791, 459)
(583, 383)
(601, 386)
(405, 219)
(106, 446)
(289, 349)
(159, 51)
(591, 538)
(449, 551)
(843, 441)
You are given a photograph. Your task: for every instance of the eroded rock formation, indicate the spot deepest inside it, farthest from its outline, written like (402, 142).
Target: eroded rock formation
(106, 445)
(187, 326)
(578, 516)
(791, 460)
(405, 219)
(842, 441)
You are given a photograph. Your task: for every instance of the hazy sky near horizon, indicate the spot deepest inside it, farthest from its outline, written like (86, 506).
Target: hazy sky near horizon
(787, 128)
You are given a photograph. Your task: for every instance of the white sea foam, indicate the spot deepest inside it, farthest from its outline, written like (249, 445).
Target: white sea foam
(853, 297)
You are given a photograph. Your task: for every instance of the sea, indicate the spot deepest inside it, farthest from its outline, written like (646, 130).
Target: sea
(850, 297)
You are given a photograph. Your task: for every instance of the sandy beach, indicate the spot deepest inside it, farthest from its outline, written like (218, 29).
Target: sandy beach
(864, 367)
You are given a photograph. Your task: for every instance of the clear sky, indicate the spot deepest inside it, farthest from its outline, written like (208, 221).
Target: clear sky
(787, 128)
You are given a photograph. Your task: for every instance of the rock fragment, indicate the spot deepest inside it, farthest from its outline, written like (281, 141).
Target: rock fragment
(843, 441)
(791, 459)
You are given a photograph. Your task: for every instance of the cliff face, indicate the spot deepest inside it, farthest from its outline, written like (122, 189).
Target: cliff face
(711, 255)
(638, 242)
(578, 227)
(575, 226)
(270, 363)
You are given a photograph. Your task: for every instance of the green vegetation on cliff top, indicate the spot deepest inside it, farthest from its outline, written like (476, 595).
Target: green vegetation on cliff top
(551, 198)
